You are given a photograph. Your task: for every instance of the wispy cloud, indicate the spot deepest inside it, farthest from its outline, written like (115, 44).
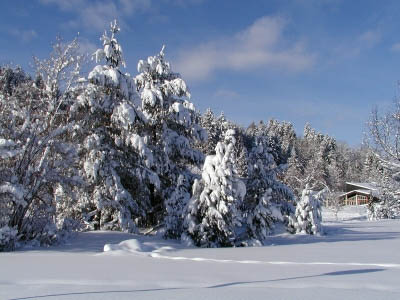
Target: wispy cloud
(95, 15)
(25, 36)
(131, 6)
(86, 47)
(185, 2)
(370, 38)
(226, 94)
(357, 44)
(262, 44)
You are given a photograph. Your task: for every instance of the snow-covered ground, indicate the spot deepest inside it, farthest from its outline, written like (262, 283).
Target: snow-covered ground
(356, 259)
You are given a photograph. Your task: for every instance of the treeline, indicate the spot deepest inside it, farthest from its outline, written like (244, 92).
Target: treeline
(113, 152)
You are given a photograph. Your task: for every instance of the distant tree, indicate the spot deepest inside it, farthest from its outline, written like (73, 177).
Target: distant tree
(334, 202)
(351, 163)
(209, 123)
(314, 161)
(281, 139)
(384, 137)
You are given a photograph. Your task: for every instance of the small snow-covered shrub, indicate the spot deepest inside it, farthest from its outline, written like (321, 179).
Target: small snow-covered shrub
(307, 218)
(263, 216)
(7, 238)
(174, 206)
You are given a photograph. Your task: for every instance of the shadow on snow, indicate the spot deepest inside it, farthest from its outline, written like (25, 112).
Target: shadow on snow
(337, 273)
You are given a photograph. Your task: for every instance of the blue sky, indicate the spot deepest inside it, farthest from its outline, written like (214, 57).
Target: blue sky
(326, 62)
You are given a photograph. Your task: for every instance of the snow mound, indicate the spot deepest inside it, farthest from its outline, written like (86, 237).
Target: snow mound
(132, 246)
(135, 246)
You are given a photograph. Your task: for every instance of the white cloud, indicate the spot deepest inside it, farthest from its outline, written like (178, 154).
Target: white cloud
(395, 47)
(262, 44)
(25, 36)
(95, 15)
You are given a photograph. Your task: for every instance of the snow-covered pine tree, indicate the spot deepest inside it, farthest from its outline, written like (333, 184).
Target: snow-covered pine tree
(115, 161)
(307, 218)
(295, 171)
(267, 198)
(37, 149)
(173, 126)
(112, 51)
(212, 214)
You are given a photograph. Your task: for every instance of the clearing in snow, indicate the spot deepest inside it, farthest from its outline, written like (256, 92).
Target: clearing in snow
(355, 259)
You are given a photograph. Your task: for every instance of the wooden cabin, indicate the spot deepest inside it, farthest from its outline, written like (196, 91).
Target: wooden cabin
(359, 193)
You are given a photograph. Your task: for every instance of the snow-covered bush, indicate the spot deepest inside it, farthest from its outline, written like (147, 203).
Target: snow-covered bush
(212, 214)
(387, 207)
(36, 146)
(385, 202)
(307, 218)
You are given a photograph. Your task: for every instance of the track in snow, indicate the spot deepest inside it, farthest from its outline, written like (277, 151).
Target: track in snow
(259, 262)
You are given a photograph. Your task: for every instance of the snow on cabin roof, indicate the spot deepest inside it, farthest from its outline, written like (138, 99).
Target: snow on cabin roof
(363, 191)
(364, 185)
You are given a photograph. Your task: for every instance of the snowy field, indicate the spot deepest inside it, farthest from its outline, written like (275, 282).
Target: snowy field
(356, 259)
